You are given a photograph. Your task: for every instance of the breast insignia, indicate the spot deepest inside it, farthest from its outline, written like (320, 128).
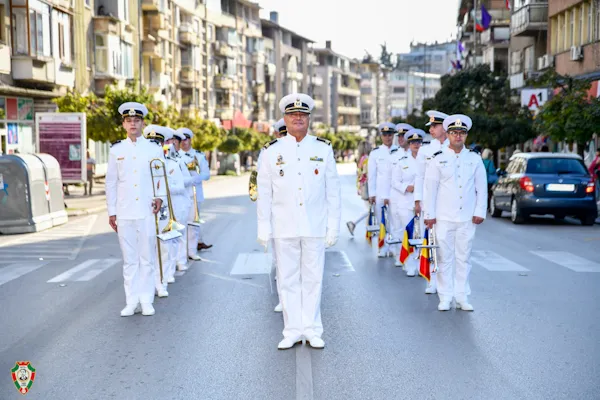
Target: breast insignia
(327, 142)
(266, 146)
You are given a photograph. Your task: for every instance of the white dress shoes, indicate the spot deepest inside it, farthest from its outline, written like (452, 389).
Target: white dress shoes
(195, 257)
(130, 309)
(163, 293)
(316, 342)
(182, 267)
(278, 308)
(463, 305)
(288, 343)
(444, 306)
(171, 280)
(147, 309)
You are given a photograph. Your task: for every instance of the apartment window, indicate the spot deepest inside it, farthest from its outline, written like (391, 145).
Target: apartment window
(101, 54)
(19, 27)
(2, 25)
(127, 60)
(61, 41)
(39, 29)
(529, 59)
(399, 90)
(581, 38)
(573, 13)
(126, 10)
(597, 24)
(590, 22)
(90, 51)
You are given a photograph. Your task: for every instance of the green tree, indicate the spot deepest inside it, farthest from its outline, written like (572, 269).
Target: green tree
(571, 114)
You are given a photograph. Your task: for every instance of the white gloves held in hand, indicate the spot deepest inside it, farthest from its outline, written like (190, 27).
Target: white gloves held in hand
(331, 238)
(263, 242)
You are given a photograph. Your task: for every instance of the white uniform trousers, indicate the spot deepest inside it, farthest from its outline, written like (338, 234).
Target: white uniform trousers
(375, 239)
(180, 254)
(300, 264)
(454, 258)
(400, 217)
(274, 265)
(193, 232)
(137, 239)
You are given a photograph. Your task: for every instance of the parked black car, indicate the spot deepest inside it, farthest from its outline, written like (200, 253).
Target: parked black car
(545, 183)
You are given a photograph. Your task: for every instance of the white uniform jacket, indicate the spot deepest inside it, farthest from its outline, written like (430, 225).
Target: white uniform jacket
(188, 156)
(176, 184)
(456, 186)
(378, 178)
(404, 172)
(129, 184)
(298, 189)
(423, 158)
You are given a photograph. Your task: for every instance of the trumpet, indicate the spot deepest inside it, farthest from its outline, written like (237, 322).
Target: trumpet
(194, 166)
(432, 247)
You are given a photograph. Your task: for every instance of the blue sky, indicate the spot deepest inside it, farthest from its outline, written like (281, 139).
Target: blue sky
(356, 25)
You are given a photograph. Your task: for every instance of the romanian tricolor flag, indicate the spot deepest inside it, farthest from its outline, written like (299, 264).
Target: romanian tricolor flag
(382, 224)
(407, 249)
(424, 259)
(370, 221)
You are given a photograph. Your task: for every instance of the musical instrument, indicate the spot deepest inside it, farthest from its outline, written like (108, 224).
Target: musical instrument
(194, 166)
(432, 246)
(253, 186)
(375, 227)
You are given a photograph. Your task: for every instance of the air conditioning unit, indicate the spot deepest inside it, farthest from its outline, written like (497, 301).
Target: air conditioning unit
(576, 53)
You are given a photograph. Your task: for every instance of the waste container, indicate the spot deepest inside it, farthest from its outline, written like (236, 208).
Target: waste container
(27, 202)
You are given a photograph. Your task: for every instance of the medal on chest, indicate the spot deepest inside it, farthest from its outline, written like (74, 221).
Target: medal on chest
(280, 172)
(316, 171)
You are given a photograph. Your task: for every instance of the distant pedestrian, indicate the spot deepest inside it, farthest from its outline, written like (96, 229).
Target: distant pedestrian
(490, 171)
(91, 170)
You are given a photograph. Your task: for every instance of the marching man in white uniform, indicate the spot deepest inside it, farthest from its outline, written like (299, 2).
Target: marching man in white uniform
(299, 206)
(280, 131)
(379, 177)
(456, 199)
(189, 156)
(162, 136)
(439, 140)
(183, 212)
(131, 207)
(402, 203)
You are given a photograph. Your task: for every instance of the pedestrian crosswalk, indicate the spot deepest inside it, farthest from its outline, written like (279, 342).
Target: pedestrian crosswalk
(85, 271)
(61, 243)
(495, 262)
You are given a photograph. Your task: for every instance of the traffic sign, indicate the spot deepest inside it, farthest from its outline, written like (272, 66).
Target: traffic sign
(534, 98)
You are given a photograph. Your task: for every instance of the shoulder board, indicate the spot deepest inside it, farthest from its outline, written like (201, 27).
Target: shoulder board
(113, 143)
(266, 146)
(375, 148)
(394, 150)
(327, 142)
(404, 157)
(437, 153)
(474, 151)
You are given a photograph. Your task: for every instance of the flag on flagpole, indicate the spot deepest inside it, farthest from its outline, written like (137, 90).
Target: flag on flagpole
(382, 228)
(486, 18)
(508, 4)
(424, 259)
(407, 249)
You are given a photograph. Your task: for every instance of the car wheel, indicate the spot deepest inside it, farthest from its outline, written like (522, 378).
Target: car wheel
(515, 213)
(493, 209)
(588, 220)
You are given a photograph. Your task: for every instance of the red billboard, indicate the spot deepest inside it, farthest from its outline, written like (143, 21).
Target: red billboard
(63, 136)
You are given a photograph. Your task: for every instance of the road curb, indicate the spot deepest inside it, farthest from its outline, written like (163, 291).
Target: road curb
(88, 211)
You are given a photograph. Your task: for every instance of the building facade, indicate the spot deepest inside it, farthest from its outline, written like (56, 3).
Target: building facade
(407, 90)
(339, 92)
(374, 95)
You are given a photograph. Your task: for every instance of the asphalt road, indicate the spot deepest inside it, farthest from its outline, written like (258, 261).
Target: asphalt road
(534, 334)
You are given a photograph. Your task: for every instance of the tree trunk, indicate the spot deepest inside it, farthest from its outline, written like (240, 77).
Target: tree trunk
(580, 148)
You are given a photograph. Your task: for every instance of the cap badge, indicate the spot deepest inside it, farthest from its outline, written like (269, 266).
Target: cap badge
(458, 122)
(131, 112)
(298, 103)
(432, 119)
(415, 136)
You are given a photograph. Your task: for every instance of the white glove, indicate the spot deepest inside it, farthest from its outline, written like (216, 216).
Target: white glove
(331, 239)
(264, 243)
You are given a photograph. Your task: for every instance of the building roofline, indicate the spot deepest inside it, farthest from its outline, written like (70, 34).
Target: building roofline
(251, 4)
(330, 51)
(272, 24)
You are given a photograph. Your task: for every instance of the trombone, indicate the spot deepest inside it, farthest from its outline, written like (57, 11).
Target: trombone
(432, 247)
(194, 166)
(171, 230)
(253, 186)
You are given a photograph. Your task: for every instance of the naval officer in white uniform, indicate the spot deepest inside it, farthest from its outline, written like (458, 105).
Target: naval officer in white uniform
(439, 140)
(456, 198)
(131, 207)
(378, 179)
(299, 206)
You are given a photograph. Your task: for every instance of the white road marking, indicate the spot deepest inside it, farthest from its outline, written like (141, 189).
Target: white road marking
(346, 261)
(494, 262)
(569, 260)
(304, 378)
(226, 278)
(97, 270)
(252, 264)
(14, 271)
(67, 275)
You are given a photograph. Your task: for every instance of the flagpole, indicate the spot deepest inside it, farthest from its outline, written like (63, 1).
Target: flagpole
(475, 33)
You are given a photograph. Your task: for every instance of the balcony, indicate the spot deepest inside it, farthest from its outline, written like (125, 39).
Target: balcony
(297, 76)
(151, 5)
(496, 37)
(188, 109)
(188, 75)
(107, 25)
(349, 110)
(258, 58)
(187, 34)
(317, 80)
(259, 88)
(529, 20)
(271, 69)
(33, 69)
(158, 82)
(349, 91)
(224, 113)
(224, 82)
(224, 50)
(151, 49)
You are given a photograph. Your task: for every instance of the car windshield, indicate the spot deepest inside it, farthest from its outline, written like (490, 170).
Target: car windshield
(555, 166)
